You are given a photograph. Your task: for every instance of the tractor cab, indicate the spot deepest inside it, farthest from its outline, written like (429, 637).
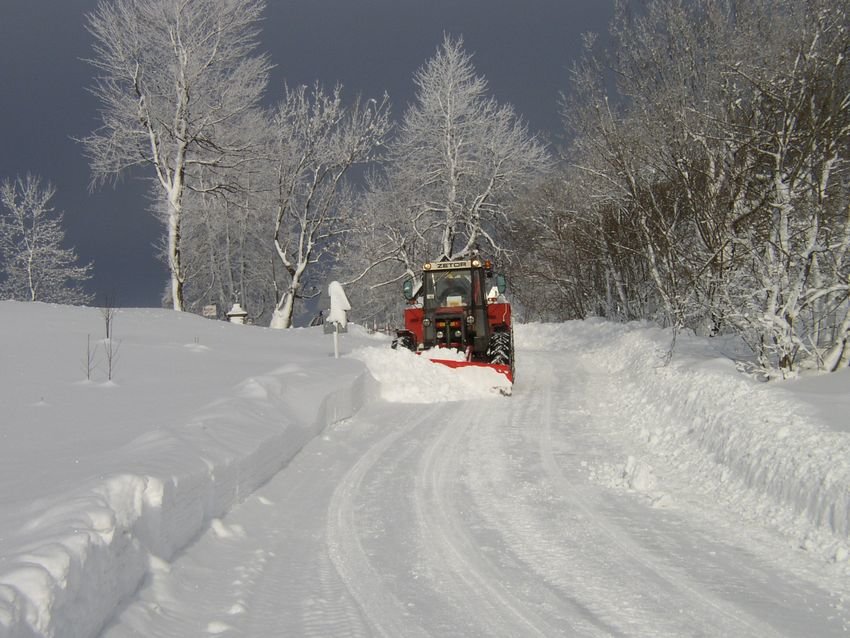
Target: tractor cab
(455, 305)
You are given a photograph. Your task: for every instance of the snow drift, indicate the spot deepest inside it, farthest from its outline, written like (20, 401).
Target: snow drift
(70, 553)
(690, 406)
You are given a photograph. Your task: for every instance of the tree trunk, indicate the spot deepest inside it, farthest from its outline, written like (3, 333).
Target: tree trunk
(174, 256)
(282, 315)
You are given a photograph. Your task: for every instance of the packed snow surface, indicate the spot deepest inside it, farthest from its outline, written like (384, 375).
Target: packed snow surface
(234, 480)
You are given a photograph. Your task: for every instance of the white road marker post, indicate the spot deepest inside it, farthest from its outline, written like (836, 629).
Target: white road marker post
(336, 341)
(337, 317)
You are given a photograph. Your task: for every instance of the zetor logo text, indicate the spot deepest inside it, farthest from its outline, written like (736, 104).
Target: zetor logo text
(448, 265)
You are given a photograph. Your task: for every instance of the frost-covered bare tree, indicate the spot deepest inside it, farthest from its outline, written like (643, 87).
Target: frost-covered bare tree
(173, 77)
(228, 258)
(718, 169)
(316, 139)
(792, 127)
(460, 157)
(453, 172)
(35, 265)
(571, 261)
(383, 251)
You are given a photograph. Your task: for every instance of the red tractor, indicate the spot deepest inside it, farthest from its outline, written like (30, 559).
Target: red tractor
(460, 305)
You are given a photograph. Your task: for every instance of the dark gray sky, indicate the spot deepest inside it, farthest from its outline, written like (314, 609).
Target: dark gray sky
(523, 47)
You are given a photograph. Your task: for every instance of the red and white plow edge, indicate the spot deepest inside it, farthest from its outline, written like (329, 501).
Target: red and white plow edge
(501, 368)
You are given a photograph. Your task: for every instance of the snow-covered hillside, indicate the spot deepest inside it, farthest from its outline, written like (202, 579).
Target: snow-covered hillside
(104, 484)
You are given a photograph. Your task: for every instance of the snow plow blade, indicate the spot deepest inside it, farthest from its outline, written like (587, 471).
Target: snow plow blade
(501, 368)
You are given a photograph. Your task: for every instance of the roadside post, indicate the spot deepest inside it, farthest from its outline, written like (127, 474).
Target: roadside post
(337, 320)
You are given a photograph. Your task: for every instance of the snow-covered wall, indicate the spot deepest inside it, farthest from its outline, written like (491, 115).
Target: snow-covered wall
(696, 411)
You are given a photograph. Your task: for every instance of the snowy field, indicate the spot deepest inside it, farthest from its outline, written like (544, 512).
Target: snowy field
(126, 504)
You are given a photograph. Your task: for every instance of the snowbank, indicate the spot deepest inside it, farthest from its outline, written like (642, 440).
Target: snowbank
(75, 542)
(696, 411)
(406, 377)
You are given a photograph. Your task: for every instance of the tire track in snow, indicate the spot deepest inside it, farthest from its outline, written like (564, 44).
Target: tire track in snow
(325, 608)
(477, 583)
(725, 618)
(304, 593)
(506, 504)
(380, 607)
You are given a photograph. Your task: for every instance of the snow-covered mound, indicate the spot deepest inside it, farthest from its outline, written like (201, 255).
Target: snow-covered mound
(690, 406)
(406, 377)
(98, 478)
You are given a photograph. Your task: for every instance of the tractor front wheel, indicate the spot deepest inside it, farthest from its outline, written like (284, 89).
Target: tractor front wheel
(500, 349)
(404, 341)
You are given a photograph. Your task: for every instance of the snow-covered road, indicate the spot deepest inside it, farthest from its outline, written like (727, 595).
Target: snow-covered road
(487, 517)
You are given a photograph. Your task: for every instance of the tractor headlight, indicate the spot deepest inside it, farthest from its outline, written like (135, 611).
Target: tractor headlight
(476, 263)
(439, 334)
(426, 322)
(458, 333)
(470, 319)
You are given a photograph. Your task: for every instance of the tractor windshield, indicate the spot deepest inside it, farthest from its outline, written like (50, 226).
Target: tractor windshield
(450, 288)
